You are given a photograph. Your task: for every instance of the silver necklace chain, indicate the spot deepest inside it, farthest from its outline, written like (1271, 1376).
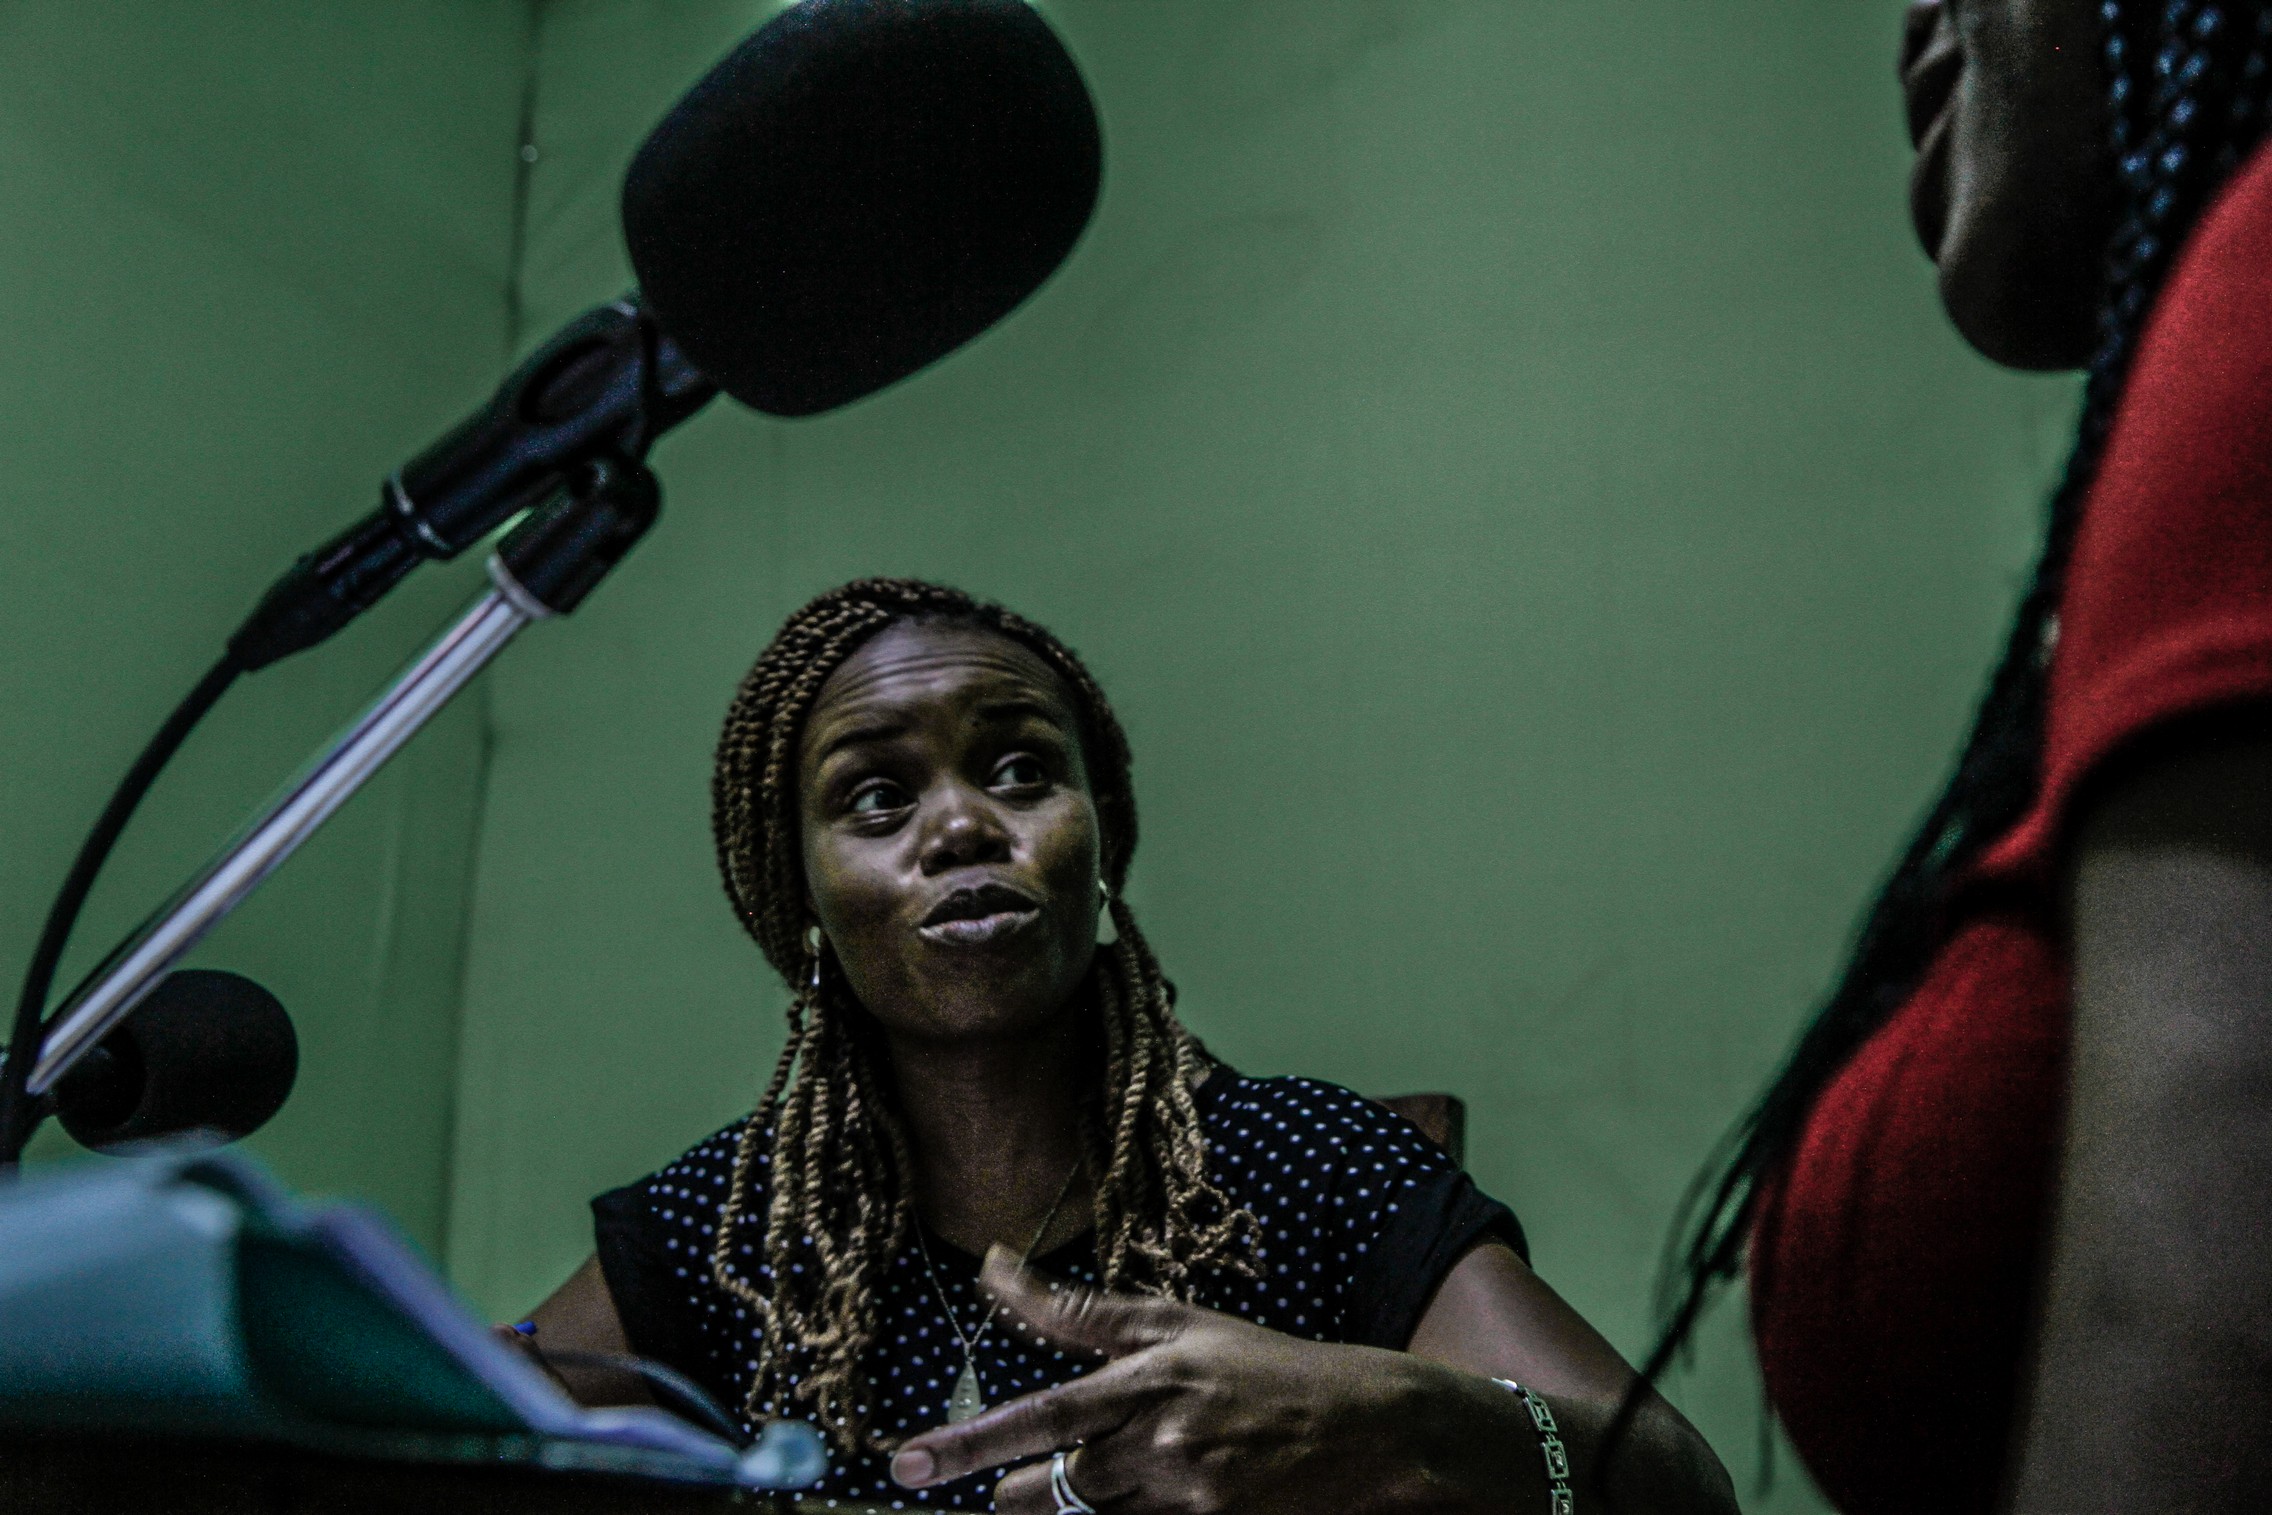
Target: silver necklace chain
(967, 1400)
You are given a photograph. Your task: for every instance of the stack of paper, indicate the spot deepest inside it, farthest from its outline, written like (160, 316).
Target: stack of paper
(183, 1290)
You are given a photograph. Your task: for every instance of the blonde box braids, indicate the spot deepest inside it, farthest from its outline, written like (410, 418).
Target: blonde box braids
(836, 1153)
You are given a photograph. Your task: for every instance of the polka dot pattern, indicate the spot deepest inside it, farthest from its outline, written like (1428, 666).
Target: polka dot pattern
(1327, 1174)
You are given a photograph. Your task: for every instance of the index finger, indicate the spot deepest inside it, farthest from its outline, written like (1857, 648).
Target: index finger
(1081, 1410)
(1076, 1315)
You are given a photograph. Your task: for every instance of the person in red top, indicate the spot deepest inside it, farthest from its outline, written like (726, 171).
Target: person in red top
(2008, 1206)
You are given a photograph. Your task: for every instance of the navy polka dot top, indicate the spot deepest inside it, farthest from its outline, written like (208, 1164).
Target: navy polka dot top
(1361, 1218)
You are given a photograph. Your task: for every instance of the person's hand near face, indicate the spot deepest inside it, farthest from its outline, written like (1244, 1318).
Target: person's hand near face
(1193, 1412)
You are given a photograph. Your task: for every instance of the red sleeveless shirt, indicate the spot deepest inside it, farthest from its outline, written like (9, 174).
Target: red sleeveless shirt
(1895, 1266)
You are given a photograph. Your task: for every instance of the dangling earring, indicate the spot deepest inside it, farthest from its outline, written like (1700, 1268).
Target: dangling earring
(1107, 931)
(814, 942)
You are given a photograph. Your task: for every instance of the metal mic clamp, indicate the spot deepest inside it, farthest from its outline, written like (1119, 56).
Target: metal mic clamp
(544, 567)
(548, 563)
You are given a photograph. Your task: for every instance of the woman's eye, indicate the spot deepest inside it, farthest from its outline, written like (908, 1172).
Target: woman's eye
(1020, 773)
(871, 799)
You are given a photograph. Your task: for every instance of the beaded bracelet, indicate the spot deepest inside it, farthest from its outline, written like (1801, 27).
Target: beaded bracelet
(1558, 1499)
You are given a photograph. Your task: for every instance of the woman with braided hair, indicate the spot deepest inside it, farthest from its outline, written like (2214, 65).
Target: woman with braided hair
(1254, 1294)
(2008, 1206)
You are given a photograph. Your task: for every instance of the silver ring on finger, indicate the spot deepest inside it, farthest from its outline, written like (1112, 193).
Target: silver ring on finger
(1061, 1487)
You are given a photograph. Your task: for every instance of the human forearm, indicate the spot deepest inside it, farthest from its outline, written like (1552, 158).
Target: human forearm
(1494, 1319)
(2153, 1378)
(578, 1322)
(1484, 1455)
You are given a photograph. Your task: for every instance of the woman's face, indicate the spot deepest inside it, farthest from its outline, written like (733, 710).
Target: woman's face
(950, 843)
(2012, 193)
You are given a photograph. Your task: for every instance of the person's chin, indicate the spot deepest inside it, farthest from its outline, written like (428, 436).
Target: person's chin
(2025, 313)
(983, 1007)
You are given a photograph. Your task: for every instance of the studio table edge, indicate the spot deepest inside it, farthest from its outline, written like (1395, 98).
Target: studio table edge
(87, 1473)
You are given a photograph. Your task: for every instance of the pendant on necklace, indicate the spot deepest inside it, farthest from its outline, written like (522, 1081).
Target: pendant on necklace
(967, 1401)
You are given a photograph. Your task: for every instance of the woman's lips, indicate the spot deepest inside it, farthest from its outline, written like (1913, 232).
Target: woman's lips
(1932, 68)
(977, 930)
(977, 916)
(1929, 186)
(1931, 64)
(1928, 90)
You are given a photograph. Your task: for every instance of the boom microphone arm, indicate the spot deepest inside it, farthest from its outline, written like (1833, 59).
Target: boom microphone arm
(598, 393)
(856, 190)
(544, 568)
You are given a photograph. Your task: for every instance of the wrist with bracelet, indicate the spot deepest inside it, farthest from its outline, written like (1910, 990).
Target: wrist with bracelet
(1550, 1447)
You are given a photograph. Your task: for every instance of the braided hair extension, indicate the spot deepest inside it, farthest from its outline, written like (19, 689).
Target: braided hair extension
(2188, 88)
(838, 1158)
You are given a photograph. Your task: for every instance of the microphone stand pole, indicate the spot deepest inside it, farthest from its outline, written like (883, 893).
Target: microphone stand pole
(543, 568)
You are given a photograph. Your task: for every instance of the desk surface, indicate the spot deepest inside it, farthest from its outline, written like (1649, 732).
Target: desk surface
(59, 1475)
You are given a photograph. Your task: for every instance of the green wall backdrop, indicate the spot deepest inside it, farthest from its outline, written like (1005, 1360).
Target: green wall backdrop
(256, 254)
(1508, 466)
(1503, 457)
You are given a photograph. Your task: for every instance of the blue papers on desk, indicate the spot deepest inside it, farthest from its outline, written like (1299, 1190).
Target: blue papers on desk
(184, 1291)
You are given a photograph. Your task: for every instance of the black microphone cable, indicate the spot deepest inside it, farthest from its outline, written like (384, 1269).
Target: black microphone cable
(18, 1117)
(947, 157)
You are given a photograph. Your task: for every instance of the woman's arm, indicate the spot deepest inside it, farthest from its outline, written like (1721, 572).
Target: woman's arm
(1197, 1411)
(2152, 1381)
(1494, 1317)
(580, 1316)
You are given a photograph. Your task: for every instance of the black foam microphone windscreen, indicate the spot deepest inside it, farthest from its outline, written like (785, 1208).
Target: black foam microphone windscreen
(858, 189)
(206, 1051)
